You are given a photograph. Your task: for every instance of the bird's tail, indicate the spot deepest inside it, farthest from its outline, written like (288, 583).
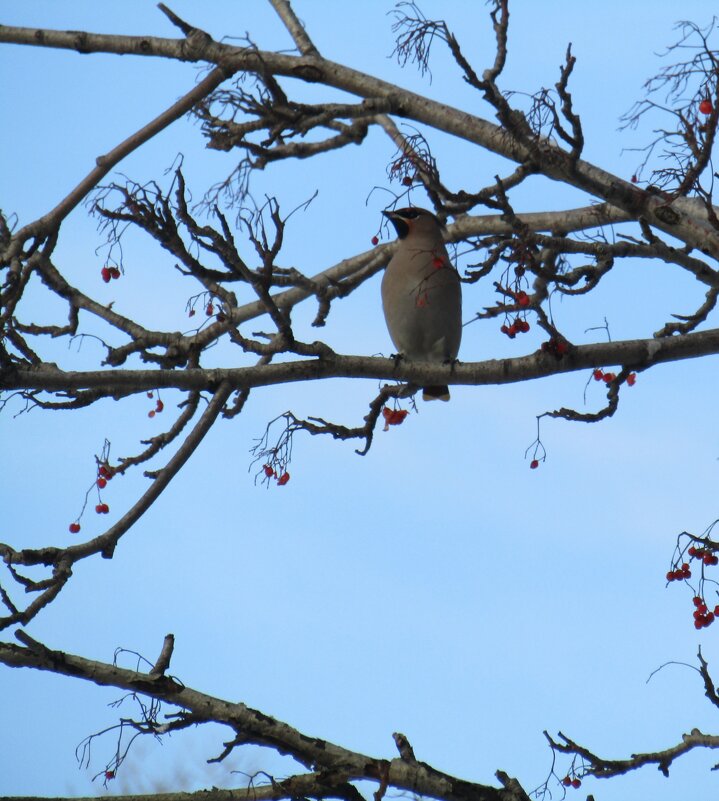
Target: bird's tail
(435, 393)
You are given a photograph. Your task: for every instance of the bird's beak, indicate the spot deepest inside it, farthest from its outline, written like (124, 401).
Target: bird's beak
(401, 225)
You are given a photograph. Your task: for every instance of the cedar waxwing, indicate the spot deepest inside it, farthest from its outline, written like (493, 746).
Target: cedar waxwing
(421, 294)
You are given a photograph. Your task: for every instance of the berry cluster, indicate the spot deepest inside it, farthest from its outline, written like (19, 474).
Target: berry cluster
(568, 781)
(557, 346)
(706, 554)
(600, 375)
(159, 406)
(393, 417)
(282, 478)
(681, 573)
(519, 296)
(702, 616)
(104, 474)
(519, 326)
(109, 273)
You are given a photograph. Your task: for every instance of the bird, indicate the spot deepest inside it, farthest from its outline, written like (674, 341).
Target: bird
(421, 294)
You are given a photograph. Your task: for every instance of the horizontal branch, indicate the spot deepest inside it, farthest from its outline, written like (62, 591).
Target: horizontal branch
(633, 353)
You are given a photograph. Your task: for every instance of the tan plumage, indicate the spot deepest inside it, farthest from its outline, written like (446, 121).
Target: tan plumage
(421, 294)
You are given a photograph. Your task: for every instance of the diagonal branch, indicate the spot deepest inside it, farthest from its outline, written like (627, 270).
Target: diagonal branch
(549, 159)
(49, 222)
(254, 727)
(63, 559)
(296, 29)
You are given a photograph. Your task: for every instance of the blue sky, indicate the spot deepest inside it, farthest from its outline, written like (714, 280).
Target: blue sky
(437, 586)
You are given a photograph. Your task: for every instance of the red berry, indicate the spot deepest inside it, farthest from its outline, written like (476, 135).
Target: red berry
(685, 566)
(114, 272)
(437, 263)
(504, 329)
(631, 379)
(109, 774)
(634, 179)
(692, 551)
(598, 375)
(709, 618)
(101, 483)
(706, 106)
(396, 417)
(609, 377)
(576, 783)
(561, 347)
(566, 781)
(104, 472)
(106, 274)
(210, 310)
(707, 558)
(74, 528)
(191, 313)
(406, 181)
(698, 623)
(697, 600)
(283, 479)
(98, 508)
(523, 298)
(670, 575)
(159, 406)
(268, 470)
(534, 464)
(716, 610)
(519, 271)
(375, 240)
(151, 413)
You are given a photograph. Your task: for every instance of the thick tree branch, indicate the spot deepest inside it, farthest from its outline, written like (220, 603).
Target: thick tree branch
(555, 163)
(254, 727)
(634, 353)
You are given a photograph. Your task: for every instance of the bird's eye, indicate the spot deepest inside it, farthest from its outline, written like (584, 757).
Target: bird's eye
(410, 214)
